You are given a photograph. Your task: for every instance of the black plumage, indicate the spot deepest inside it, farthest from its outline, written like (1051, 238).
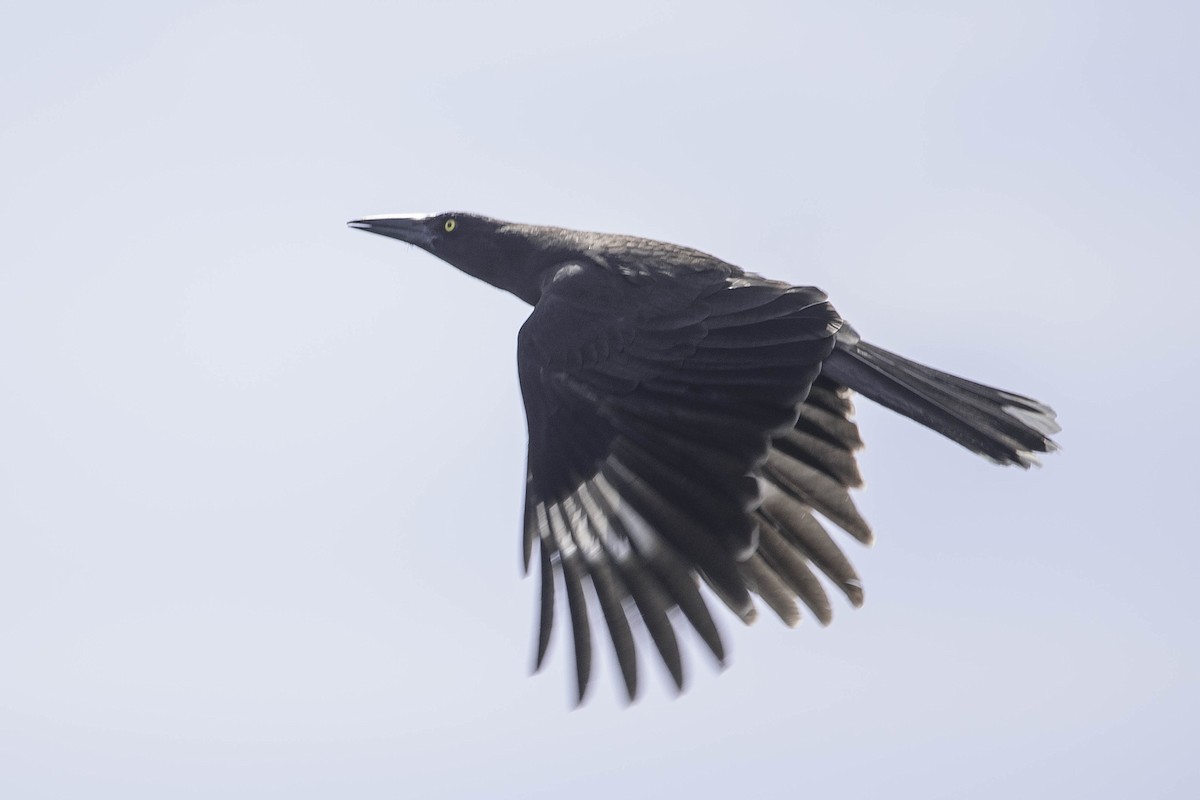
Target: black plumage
(686, 418)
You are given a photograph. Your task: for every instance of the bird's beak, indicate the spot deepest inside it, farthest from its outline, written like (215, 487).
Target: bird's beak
(411, 228)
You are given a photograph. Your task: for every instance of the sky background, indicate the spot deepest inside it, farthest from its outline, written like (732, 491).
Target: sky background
(260, 475)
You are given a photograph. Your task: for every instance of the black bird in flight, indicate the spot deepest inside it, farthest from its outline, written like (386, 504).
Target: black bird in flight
(686, 418)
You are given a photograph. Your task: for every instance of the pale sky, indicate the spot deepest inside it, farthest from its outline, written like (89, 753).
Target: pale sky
(260, 474)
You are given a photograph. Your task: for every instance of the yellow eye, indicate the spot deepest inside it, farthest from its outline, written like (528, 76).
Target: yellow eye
(450, 225)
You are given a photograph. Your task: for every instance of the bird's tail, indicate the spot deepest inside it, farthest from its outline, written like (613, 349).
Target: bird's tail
(1004, 427)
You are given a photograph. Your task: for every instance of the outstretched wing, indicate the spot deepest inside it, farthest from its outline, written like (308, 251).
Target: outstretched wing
(669, 438)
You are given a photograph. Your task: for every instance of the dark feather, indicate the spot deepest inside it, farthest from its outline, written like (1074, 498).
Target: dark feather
(573, 573)
(772, 589)
(546, 615)
(978, 417)
(838, 463)
(830, 426)
(816, 489)
(790, 564)
(794, 521)
(681, 531)
(586, 528)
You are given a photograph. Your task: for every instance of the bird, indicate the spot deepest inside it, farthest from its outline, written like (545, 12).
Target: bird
(690, 425)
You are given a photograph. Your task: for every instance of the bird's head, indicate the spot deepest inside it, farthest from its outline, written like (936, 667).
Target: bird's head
(506, 255)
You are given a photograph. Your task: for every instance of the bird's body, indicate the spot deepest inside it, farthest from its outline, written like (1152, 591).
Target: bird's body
(685, 420)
